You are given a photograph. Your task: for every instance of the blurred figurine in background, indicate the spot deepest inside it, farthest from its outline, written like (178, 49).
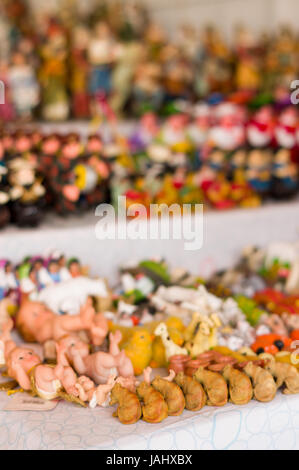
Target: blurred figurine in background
(101, 56)
(79, 72)
(27, 193)
(53, 73)
(23, 85)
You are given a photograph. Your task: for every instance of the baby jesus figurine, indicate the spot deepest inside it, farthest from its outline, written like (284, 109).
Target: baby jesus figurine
(26, 367)
(36, 322)
(99, 365)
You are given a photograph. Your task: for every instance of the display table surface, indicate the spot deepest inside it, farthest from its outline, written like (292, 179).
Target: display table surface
(273, 425)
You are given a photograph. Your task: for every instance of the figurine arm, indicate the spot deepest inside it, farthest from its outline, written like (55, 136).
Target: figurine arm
(79, 364)
(68, 380)
(171, 376)
(22, 377)
(147, 375)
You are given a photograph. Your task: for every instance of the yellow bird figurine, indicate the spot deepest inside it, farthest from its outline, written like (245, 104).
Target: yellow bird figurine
(139, 350)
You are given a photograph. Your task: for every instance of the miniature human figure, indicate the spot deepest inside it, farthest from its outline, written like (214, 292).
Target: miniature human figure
(74, 267)
(23, 85)
(53, 269)
(53, 73)
(62, 177)
(37, 323)
(100, 365)
(79, 72)
(101, 55)
(27, 192)
(99, 395)
(4, 189)
(7, 111)
(27, 369)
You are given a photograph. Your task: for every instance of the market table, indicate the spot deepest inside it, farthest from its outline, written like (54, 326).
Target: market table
(256, 425)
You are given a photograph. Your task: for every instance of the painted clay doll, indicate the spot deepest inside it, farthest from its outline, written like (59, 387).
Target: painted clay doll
(62, 179)
(95, 395)
(7, 111)
(79, 72)
(36, 322)
(27, 369)
(53, 73)
(26, 192)
(23, 85)
(4, 190)
(100, 365)
(284, 182)
(101, 56)
(147, 90)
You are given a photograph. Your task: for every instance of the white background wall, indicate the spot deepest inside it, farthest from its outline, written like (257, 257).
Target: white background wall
(258, 14)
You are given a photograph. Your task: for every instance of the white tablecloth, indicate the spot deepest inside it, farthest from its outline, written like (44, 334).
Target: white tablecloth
(256, 425)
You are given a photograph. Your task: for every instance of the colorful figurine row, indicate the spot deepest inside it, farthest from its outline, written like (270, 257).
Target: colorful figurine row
(115, 59)
(221, 157)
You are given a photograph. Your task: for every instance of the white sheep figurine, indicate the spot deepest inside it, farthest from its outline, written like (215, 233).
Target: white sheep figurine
(171, 349)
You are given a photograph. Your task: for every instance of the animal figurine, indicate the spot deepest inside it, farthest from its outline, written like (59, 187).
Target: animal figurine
(170, 391)
(264, 387)
(202, 333)
(171, 349)
(195, 397)
(285, 374)
(154, 408)
(214, 385)
(139, 350)
(69, 296)
(239, 385)
(129, 408)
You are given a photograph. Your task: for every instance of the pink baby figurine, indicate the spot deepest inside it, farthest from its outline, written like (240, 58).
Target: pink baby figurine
(101, 396)
(23, 365)
(85, 387)
(99, 365)
(36, 322)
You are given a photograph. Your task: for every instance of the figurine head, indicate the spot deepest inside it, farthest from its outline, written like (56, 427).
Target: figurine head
(51, 144)
(24, 357)
(282, 156)
(71, 148)
(289, 117)
(74, 345)
(31, 317)
(23, 143)
(94, 143)
(74, 267)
